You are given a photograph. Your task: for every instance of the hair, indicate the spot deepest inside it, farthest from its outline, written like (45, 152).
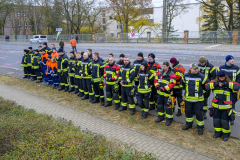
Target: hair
(226, 79)
(111, 54)
(82, 53)
(166, 63)
(40, 46)
(146, 69)
(54, 59)
(53, 45)
(72, 52)
(126, 57)
(96, 54)
(78, 53)
(90, 50)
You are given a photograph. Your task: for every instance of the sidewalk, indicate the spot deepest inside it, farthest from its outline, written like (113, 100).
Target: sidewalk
(142, 142)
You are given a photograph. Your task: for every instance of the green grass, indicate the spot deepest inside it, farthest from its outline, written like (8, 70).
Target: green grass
(25, 134)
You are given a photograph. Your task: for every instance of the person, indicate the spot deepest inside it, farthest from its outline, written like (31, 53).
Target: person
(36, 66)
(109, 56)
(223, 89)
(136, 64)
(164, 82)
(29, 61)
(154, 68)
(78, 88)
(209, 71)
(40, 49)
(89, 52)
(47, 49)
(126, 77)
(233, 73)
(52, 46)
(54, 73)
(76, 38)
(73, 43)
(54, 53)
(146, 80)
(62, 65)
(194, 84)
(61, 44)
(121, 64)
(97, 75)
(179, 71)
(86, 74)
(44, 59)
(48, 71)
(24, 63)
(71, 71)
(111, 75)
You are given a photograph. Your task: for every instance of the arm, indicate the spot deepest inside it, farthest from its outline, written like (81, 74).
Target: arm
(211, 85)
(172, 82)
(213, 73)
(120, 76)
(115, 78)
(238, 76)
(131, 77)
(101, 70)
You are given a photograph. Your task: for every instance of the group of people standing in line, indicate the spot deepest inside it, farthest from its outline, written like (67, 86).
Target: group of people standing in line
(155, 86)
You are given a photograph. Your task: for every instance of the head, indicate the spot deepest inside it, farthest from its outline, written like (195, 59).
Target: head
(165, 66)
(78, 55)
(43, 51)
(82, 54)
(72, 54)
(49, 58)
(54, 59)
(85, 55)
(194, 68)
(30, 48)
(230, 59)
(36, 51)
(60, 52)
(140, 56)
(151, 57)
(173, 61)
(52, 45)
(89, 51)
(110, 55)
(61, 40)
(54, 49)
(126, 61)
(95, 56)
(144, 67)
(222, 77)
(111, 61)
(44, 45)
(25, 51)
(39, 47)
(121, 57)
(203, 61)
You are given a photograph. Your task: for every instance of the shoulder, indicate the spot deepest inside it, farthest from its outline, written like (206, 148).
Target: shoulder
(235, 66)
(131, 67)
(210, 65)
(136, 61)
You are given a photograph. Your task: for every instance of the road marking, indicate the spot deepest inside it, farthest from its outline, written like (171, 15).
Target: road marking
(213, 46)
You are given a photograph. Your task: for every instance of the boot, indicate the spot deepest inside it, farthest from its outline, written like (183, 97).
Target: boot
(71, 90)
(25, 77)
(66, 89)
(168, 123)
(144, 115)
(102, 101)
(116, 107)
(61, 88)
(96, 100)
(186, 127)
(216, 135)
(38, 82)
(200, 131)
(160, 119)
(85, 97)
(80, 94)
(91, 98)
(28, 77)
(122, 108)
(232, 123)
(152, 107)
(179, 113)
(132, 111)
(225, 138)
(108, 104)
(76, 91)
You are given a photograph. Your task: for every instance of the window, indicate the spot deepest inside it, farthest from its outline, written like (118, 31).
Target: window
(30, 26)
(104, 28)
(36, 37)
(26, 25)
(20, 25)
(24, 13)
(18, 13)
(43, 36)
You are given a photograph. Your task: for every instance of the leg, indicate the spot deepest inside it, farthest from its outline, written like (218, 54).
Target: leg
(225, 123)
(146, 105)
(86, 93)
(217, 123)
(205, 107)
(188, 115)
(101, 92)
(152, 99)
(169, 112)
(90, 89)
(96, 91)
(198, 107)
(109, 89)
(81, 89)
(25, 72)
(179, 97)
(130, 100)
(76, 85)
(160, 109)
(124, 99)
(62, 84)
(66, 82)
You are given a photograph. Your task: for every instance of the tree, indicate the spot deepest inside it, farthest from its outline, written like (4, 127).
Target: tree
(6, 7)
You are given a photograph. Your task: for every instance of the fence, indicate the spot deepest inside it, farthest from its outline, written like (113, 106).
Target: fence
(223, 37)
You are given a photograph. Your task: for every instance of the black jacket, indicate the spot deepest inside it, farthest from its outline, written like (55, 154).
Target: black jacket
(127, 75)
(136, 65)
(97, 70)
(62, 63)
(232, 72)
(208, 70)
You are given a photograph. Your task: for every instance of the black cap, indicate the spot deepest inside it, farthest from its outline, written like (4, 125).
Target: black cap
(29, 47)
(140, 54)
(122, 55)
(25, 50)
(72, 52)
(45, 43)
(49, 57)
(36, 50)
(43, 50)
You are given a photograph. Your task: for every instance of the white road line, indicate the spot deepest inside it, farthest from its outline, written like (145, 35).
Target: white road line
(213, 46)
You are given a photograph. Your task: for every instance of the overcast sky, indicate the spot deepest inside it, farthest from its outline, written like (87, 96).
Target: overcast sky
(158, 3)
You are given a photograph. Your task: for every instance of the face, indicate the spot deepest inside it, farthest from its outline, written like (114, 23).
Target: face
(53, 60)
(85, 56)
(110, 56)
(36, 52)
(121, 58)
(139, 58)
(52, 46)
(142, 67)
(172, 64)
(39, 48)
(126, 61)
(94, 57)
(72, 55)
(88, 52)
(44, 46)
(150, 59)
(194, 71)
(202, 64)
(165, 68)
(231, 61)
(110, 60)
(61, 53)
(222, 78)
(78, 56)
(43, 52)
(54, 50)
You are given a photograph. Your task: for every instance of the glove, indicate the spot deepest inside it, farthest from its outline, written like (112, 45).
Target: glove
(232, 115)
(211, 111)
(216, 84)
(161, 89)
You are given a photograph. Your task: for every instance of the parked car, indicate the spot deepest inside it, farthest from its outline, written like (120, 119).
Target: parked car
(38, 39)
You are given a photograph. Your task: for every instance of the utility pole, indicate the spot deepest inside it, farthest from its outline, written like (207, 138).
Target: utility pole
(10, 25)
(164, 20)
(35, 17)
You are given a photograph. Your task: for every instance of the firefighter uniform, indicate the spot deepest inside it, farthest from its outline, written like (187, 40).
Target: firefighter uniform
(164, 82)
(36, 66)
(79, 78)
(111, 72)
(30, 69)
(62, 64)
(44, 58)
(48, 71)
(143, 91)
(121, 64)
(97, 78)
(194, 99)
(154, 68)
(71, 73)
(222, 106)
(24, 63)
(179, 71)
(210, 72)
(127, 75)
(86, 79)
(54, 75)
(47, 49)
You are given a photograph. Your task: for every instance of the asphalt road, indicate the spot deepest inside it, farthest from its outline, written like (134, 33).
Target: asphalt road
(11, 55)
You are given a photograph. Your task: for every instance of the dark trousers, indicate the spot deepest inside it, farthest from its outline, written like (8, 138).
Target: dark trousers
(126, 98)
(87, 85)
(55, 81)
(26, 72)
(98, 91)
(72, 82)
(44, 69)
(177, 93)
(38, 74)
(143, 101)
(111, 94)
(32, 73)
(206, 96)
(63, 77)
(197, 107)
(153, 97)
(162, 108)
(80, 85)
(221, 122)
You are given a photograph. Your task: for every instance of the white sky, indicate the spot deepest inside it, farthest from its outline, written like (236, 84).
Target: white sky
(158, 3)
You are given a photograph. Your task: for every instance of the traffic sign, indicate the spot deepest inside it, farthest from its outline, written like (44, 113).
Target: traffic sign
(59, 29)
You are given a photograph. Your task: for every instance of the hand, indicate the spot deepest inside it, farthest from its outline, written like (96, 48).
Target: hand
(161, 89)
(109, 79)
(81, 75)
(57, 58)
(106, 78)
(220, 84)
(69, 70)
